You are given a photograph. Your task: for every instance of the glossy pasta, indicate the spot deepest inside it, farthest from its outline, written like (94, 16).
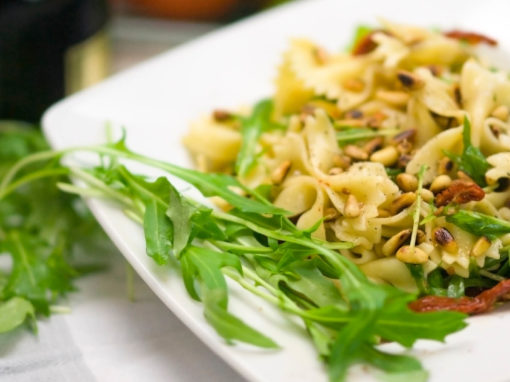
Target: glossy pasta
(359, 127)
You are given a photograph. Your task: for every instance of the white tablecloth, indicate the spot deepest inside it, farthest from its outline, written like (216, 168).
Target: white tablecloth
(107, 337)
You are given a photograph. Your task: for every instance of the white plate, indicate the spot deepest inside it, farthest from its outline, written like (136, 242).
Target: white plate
(155, 102)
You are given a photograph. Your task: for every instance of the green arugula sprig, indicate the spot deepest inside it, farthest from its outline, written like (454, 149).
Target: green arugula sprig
(479, 224)
(281, 264)
(471, 161)
(252, 128)
(40, 229)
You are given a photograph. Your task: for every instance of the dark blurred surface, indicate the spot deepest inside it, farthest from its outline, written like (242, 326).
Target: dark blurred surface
(34, 39)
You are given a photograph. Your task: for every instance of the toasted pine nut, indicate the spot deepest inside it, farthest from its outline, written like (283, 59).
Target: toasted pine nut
(444, 238)
(481, 246)
(409, 80)
(404, 147)
(280, 172)
(387, 156)
(352, 208)
(406, 135)
(395, 242)
(501, 112)
(445, 166)
(373, 145)
(403, 160)
(412, 255)
(335, 171)
(402, 202)
(396, 98)
(440, 183)
(342, 161)
(330, 213)
(354, 85)
(427, 195)
(407, 182)
(355, 152)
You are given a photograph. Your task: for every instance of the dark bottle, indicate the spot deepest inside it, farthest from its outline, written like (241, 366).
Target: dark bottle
(48, 48)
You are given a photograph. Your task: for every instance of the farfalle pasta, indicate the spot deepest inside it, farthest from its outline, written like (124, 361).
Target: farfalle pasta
(398, 146)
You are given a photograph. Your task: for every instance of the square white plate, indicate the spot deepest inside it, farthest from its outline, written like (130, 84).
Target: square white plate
(156, 101)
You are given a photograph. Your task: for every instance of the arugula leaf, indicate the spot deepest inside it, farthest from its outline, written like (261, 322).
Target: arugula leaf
(471, 161)
(34, 274)
(479, 224)
(15, 312)
(350, 342)
(393, 363)
(206, 264)
(180, 213)
(231, 327)
(456, 287)
(251, 130)
(158, 232)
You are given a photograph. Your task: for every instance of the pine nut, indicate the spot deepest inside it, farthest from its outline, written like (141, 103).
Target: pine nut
(402, 202)
(501, 112)
(407, 182)
(396, 98)
(409, 80)
(280, 172)
(481, 246)
(412, 255)
(355, 152)
(427, 195)
(387, 156)
(352, 208)
(440, 183)
(342, 161)
(444, 238)
(395, 242)
(373, 145)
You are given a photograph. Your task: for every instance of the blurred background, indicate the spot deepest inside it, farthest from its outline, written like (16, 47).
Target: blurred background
(53, 48)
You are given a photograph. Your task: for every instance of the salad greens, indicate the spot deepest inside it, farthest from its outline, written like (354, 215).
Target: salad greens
(471, 161)
(252, 128)
(479, 224)
(41, 230)
(257, 246)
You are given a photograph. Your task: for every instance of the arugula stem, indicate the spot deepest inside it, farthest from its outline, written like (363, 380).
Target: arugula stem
(239, 247)
(417, 209)
(46, 173)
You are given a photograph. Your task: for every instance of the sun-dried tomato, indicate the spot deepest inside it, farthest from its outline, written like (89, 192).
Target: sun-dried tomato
(471, 305)
(460, 191)
(471, 38)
